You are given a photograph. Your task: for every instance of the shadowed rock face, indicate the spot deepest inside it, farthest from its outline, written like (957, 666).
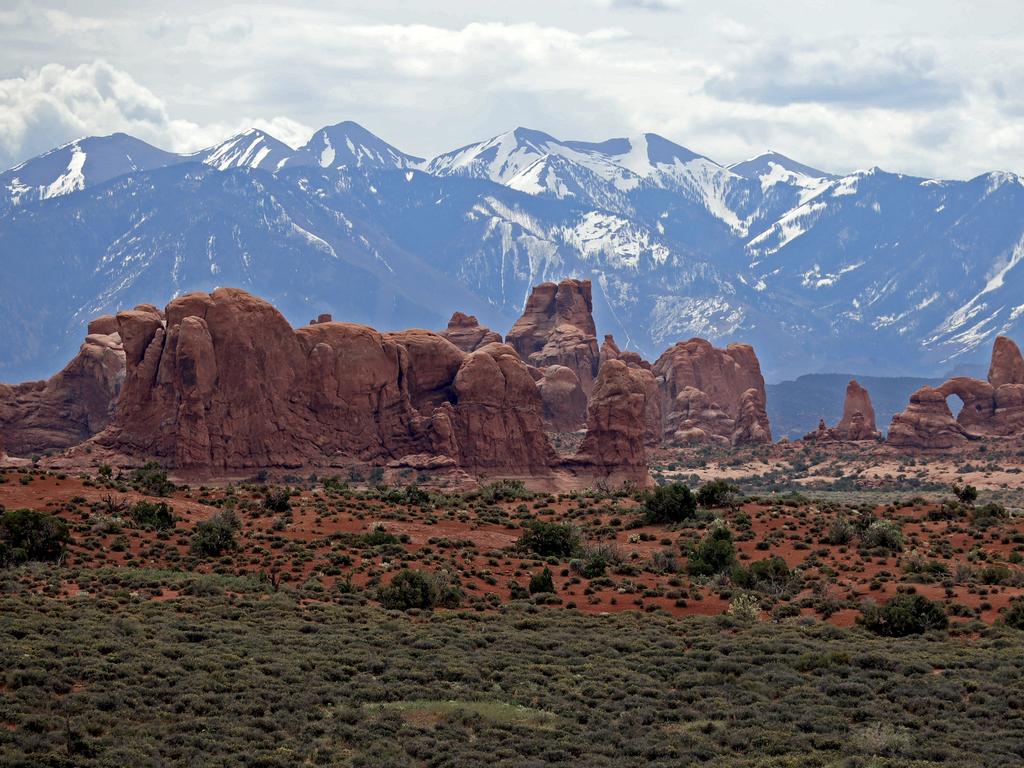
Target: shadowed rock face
(565, 405)
(993, 408)
(613, 448)
(858, 421)
(71, 406)
(706, 394)
(226, 384)
(557, 328)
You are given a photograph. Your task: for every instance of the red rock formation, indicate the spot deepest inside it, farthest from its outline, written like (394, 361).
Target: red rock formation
(498, 415)
(705, 393)
(858, 421)
(927, 423)
(74, 404)
(993, 408)
(229, 385)
(1007, 365)
(613, 448)
(557, 328)
(466, 333)
(565, 405)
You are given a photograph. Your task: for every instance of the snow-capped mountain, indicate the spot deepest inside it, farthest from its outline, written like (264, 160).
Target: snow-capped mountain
(250, 149)
(77, 165)
(349, 145)
(870, 271)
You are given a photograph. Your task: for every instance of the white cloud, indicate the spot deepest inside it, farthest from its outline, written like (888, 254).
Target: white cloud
(54, 104)
(930, 104)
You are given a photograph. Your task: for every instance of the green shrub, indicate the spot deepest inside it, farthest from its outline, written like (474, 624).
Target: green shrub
(215, 536)
(542, 582)
(840, 531)
(278, 500)
(715, 553)
(988, 514)
(548, 539)
(993, 574)
(504, 490)
(595, 559)
(717, 493)
(904, 615)
(417, 589)
(968, 494)
(152, 479)
(882, 534)
(378, 536)
(1014, 614)
(30, 535)
(156, 515)
(769, 575)
(669, 504)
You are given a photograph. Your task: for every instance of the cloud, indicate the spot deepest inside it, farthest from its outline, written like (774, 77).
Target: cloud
(660, 6)
(845, 71)
(54, 104)
(922, 104)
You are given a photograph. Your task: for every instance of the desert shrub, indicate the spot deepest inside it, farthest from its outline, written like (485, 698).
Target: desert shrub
(277, 500)
(744, 608)
(548, 539)
(29, 535)
(904, 615)
(418, 589)
(215, 536)
(1013, 616)
(715, 553)
(988, 514)
(768, 575)
(968, 494)
(840, 531)
(542, 582)
(414, 495)
(882, 534)
(669, 504)
(378, 536)
(156, 515)
(717, 493)
(595, 559)
(504, 490)
(152, 479)
(993, 574)
(916, 565)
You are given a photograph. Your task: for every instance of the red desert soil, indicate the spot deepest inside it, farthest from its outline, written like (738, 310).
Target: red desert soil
(319, 540)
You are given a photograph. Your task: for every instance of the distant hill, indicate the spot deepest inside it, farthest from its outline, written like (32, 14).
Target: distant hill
(794, 407)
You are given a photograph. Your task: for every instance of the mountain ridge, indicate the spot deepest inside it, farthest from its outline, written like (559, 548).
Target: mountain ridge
(873, 270)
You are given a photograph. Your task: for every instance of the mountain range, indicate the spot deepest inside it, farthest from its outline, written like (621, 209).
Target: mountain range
(873, 272)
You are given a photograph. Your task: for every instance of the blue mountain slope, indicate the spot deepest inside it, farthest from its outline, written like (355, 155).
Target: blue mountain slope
(873, 271)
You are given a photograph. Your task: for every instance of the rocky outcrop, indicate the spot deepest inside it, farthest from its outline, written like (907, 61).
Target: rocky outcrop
(557, 328)
(42, 416)
(466, 333)
(223, 383)
(1007, 365)
(927, 423)
(712, 395)
(857, 423)
(613, 448)
(993, 408)
(565, 405)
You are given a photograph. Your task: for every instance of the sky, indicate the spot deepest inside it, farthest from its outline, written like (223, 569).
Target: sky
(929, 87)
